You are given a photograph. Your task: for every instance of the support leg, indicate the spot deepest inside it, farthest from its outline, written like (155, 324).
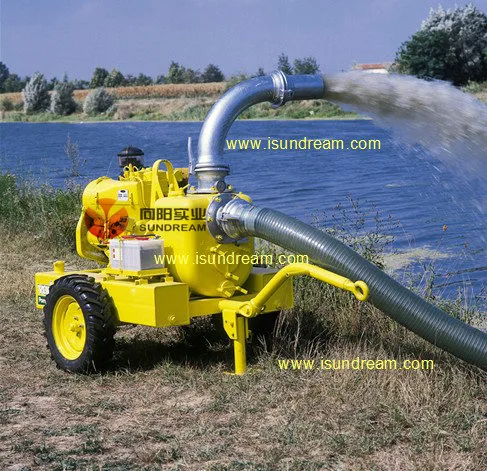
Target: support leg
(236, 327)
(239, 345)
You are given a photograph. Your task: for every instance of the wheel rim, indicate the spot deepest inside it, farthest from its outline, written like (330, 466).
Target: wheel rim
(68, 327)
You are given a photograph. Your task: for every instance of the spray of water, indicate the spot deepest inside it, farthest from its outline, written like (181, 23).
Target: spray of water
(450, 124)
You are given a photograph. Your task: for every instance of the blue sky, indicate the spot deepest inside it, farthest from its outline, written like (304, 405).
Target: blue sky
(75, 36)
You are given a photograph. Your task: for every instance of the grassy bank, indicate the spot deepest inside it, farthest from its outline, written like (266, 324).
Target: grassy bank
(186, 109)
(165, 402)
(183, 102)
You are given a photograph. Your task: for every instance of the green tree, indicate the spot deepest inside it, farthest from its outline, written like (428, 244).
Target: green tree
(191, 76)
(4, 74)
(62, 101)
(175, 74)
(35, 94)
(98, 78)
(307, 65)
(212, 73)
(143, 80)
(13, 83)
(115, 79)
(79, 84)
(450, 45)
(130, 80)
(283, 64)
(52, 83)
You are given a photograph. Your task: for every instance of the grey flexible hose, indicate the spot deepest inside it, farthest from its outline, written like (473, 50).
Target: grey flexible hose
(405, 307)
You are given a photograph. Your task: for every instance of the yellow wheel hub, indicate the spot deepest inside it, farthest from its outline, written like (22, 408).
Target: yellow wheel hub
(68, 327)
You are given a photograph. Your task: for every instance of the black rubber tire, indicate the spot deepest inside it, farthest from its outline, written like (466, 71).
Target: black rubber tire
(98, 319)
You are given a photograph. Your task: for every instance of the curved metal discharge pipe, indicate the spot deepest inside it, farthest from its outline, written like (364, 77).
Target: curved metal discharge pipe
(278, 88)
(232, 218)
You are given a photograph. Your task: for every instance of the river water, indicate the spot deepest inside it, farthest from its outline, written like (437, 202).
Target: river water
(437, 210)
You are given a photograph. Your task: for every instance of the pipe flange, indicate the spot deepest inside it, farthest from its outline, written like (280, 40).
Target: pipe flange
(212, 224)
(283, 93)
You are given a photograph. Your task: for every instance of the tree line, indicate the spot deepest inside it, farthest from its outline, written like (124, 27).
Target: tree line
(177, 73)
(450, 45)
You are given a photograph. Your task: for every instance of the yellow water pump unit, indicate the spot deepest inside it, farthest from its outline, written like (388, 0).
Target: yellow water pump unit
(161, 267)
(170, 252)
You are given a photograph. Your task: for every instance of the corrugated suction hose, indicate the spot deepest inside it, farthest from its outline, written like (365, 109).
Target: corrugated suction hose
(239, 219)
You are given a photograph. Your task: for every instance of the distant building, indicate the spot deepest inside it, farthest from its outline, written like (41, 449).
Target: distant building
(380, 68)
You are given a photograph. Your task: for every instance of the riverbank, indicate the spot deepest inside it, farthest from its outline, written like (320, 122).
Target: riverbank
(186, 109)
(186, 410)
(178, 102)
(181, 102)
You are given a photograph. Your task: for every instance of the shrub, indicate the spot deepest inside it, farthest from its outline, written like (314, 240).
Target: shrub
(98, 101)
(35, 94)
(62, 101)
(6, 104)
(234, 79)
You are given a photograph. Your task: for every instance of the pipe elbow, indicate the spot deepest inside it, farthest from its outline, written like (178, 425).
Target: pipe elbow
(277, 88)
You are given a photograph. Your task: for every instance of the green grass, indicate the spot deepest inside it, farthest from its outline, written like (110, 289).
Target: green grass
(20, 117)
(47, 214)
(315, 109)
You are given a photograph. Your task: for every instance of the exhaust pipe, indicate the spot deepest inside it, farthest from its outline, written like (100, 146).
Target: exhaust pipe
(230, 218)
(277, 88)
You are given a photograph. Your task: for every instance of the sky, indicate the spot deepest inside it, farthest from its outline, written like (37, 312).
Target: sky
(75, 36)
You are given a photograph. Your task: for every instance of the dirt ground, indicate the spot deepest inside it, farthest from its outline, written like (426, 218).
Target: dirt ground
(166, 402)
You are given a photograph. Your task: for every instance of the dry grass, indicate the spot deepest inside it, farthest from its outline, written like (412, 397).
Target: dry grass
(162, 108)
(188, 90)
(166, 403)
